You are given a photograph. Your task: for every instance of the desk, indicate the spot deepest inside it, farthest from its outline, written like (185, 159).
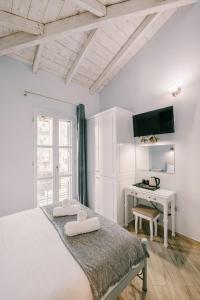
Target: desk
(161, 196)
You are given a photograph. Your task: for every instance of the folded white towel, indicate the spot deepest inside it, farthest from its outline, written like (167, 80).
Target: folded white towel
(68, 202)
(71, 210)
(75, 227)
(82, 215)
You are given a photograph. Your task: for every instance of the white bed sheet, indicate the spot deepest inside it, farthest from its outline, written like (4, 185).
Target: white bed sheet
(35, 264)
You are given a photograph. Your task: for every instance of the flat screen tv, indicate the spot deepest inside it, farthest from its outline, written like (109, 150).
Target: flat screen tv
(154, 122)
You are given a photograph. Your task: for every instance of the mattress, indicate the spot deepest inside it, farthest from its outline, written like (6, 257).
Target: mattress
(35, 264)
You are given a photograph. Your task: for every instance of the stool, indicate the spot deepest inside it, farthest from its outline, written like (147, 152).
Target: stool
(147, 213)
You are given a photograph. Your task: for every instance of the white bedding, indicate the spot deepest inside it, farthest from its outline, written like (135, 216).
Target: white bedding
(34, 263)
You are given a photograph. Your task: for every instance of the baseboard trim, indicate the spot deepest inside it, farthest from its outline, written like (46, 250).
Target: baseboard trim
(181, 235)
(160, 226)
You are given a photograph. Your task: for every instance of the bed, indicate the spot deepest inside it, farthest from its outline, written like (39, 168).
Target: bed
(37, 265)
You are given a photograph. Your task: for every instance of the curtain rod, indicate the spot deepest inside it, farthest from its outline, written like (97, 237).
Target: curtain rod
(47, 97)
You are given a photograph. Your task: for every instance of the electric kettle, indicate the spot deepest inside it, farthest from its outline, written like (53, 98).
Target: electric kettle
(154, 181)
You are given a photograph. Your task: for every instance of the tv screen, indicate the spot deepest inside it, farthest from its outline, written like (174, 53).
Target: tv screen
(154, 122)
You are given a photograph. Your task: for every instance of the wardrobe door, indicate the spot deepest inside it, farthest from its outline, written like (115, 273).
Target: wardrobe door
(107, 196)
(93, 145)
(107, 141)
(98, 191)
(91, 191)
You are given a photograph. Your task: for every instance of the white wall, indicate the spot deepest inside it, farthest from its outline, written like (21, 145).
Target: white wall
(172, 56)
(17, 128)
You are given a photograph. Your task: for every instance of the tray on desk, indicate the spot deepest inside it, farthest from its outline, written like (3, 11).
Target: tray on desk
(146, 186)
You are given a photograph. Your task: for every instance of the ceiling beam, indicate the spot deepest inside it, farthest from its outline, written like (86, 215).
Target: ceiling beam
(133, 39)
(20, 24)
(17, 41)
(37, 58)
(87, 21)
(92, 6)
(133, 8)
(80, 56)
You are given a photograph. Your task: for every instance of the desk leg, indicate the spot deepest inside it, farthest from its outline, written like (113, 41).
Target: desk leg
(165, 222)
(135, 201)
(173, 212)
(126, 209)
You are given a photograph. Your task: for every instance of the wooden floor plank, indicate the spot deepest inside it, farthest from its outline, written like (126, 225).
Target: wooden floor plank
(173, 273)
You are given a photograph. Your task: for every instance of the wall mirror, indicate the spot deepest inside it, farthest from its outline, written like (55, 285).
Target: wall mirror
(156, 158)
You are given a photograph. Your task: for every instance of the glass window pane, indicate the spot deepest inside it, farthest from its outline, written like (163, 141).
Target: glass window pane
(65, 161)
(44, 131)
(65, 128)
(65, 188)
(44, 192)
(44, 162)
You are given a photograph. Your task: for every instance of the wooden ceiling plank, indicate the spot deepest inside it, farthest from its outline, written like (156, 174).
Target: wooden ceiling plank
(87, 21)
(37, 10)
(80, 56)
(137, 34)
(21, 7)
(6, 5)
(92, 6)
(52, 11)
(37, 58)
(17, 41)
(133, 50)
(133, 8)
(20, 24)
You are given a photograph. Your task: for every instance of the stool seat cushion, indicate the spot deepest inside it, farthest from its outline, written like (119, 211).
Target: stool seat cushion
(146, 211)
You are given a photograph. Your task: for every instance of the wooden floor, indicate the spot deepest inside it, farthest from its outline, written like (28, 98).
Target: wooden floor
(173, 273)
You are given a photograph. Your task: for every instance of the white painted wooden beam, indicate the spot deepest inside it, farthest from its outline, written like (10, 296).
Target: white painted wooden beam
(87, 21)
(133, 8)
(93, 6)
(17, 41)
(137, 34)
(37, 58)
(20, 24)
(80, 56)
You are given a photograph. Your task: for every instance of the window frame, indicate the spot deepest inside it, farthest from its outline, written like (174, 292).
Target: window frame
(56, 117)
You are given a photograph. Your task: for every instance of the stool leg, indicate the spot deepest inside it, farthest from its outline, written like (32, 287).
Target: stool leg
(140, 224)
(151, 229)
(156, 227)
(136, 224)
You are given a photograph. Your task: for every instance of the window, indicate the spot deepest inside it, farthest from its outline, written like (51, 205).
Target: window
(65, 160)
(54, 160)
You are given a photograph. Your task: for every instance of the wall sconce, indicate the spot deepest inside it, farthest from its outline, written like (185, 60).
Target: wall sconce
(175, 90)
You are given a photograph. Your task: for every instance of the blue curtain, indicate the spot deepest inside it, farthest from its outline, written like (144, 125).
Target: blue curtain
(82, 154)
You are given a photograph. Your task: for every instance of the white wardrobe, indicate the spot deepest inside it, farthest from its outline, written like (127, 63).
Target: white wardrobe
(111, 161)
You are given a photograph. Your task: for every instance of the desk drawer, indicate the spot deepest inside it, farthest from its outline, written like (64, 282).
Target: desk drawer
(155, 198)
(142, 195)
(135, 193)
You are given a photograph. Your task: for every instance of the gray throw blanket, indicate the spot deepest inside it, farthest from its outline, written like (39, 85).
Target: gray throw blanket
(105, 256)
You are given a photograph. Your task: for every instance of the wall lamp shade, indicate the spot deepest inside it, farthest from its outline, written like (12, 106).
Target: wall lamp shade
(175, 90)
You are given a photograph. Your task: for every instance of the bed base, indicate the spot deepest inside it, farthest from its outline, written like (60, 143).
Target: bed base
(141, 268)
